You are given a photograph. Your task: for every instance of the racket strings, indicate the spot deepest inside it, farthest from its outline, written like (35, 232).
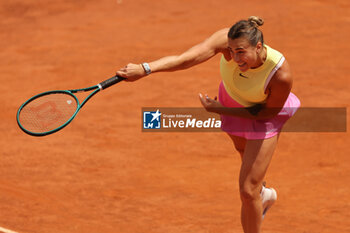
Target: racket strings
(47, 112)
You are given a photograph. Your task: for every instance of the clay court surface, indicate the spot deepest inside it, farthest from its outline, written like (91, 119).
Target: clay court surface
(102, 174)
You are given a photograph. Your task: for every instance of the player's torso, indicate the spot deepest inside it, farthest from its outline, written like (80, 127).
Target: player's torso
(248, 88)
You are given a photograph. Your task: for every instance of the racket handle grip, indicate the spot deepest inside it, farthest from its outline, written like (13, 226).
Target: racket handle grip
(109, 82)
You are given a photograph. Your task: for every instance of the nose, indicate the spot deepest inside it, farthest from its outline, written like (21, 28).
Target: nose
(235, 57)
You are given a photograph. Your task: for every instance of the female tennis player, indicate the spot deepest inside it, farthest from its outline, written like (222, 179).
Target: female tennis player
(255, 100)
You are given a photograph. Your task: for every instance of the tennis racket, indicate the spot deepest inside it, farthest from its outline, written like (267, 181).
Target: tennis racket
(51, 111)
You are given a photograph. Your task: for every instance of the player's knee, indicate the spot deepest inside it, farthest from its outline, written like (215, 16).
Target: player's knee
(249, 192)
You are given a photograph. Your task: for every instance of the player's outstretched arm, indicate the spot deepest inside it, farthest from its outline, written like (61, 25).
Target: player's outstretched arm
(199, 53)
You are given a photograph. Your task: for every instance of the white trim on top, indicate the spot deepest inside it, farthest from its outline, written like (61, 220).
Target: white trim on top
(279, 64)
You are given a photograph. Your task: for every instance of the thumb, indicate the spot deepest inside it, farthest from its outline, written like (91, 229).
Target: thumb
(120, 73)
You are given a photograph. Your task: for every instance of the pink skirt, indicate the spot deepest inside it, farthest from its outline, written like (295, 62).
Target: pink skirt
(255, 129)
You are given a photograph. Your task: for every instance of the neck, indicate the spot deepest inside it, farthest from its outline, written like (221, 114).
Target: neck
(261, 58)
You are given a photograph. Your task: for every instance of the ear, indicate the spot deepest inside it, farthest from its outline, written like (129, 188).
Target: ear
(259, 47)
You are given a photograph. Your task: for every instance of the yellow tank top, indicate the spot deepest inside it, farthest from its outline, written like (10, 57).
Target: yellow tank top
(248, 88)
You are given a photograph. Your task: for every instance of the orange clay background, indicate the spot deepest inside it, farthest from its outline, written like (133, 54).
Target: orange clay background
(102, 174)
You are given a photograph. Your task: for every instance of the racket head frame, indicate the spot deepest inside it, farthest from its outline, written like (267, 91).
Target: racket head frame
(67, 92)
(101, 86)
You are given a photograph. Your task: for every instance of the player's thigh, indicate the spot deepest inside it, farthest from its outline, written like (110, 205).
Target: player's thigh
(239, 143)
(256, 159)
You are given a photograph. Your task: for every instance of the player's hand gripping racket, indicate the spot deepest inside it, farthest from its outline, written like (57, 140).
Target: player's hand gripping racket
(48, 112)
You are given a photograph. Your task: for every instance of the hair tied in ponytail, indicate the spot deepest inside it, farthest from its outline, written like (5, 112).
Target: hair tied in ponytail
(248, 29)
(255, 21)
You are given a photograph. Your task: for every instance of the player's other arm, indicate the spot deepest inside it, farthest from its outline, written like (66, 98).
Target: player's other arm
(199, 53)
(278, 91)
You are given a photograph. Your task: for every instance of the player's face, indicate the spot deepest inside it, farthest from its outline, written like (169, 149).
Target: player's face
(244, 54)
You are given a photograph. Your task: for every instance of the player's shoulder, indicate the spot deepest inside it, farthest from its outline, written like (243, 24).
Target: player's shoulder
(284, 72)
(218, 40)
(220, 34)
(223, 31)
(283, 76)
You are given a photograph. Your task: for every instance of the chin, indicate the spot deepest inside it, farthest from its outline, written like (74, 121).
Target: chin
(243, 69)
